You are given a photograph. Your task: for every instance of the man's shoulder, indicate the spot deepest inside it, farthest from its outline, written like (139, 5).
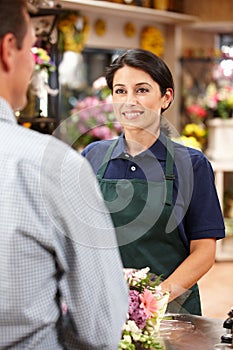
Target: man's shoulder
(32, 147)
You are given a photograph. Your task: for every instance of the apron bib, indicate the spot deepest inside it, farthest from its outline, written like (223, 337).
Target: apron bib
(140, 211)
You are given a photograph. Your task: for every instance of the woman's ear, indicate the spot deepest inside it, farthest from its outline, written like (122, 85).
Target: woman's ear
(8, 46)
(167, 98)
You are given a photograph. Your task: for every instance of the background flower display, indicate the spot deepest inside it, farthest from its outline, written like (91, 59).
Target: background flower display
(207, 95)
(194, 133)
(73, 34)
(39, 87)
(92, 117)
(218, 100)
(147, 306)
(42, 60)
(215, 102)
(152, 40)
(43, 67)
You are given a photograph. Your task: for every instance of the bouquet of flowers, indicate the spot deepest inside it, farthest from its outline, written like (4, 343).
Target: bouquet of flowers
(147, 306)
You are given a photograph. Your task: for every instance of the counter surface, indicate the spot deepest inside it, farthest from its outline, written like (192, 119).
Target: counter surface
(189, 332)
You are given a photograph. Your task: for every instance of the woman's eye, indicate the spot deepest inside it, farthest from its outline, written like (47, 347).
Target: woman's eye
(120, 91)
(142, 90)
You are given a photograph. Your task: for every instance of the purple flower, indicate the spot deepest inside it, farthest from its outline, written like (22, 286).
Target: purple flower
(136, 313)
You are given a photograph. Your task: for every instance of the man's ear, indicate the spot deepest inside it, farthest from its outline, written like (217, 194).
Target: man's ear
(7, 50)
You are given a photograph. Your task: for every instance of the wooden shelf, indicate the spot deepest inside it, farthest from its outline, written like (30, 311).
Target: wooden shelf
(217, 27)
(127, 11)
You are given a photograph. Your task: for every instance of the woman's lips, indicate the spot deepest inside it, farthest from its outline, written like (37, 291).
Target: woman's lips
(131, 115)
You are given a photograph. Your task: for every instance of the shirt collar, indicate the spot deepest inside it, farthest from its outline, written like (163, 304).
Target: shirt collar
(6, 112)
(157, 150)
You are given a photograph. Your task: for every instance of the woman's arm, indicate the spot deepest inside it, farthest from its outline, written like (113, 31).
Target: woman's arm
(200, 260)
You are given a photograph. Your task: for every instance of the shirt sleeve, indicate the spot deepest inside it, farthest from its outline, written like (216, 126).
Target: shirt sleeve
(94, 287)
(204, 216)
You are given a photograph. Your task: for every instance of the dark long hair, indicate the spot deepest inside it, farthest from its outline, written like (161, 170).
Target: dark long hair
(146, 61)
(12, 19)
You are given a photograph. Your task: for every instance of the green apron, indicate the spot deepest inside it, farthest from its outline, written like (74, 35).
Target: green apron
(140, 211)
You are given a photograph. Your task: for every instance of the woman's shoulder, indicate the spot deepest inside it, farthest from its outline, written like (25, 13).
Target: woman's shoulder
(183, 152)
(95, 153)
(192, 160)
(100, 146)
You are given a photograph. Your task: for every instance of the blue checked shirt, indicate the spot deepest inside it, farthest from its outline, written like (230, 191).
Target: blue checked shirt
(56, 243)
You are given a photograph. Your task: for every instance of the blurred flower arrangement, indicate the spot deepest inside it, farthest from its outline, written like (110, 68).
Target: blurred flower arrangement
(43, 67)
(39, 88)
(92, 118)
(152, 40)
(147, 306)
(73, 34)
(74, 30)
(42, 60)
(195, 135)
(219, 100)
(216, 102)
(196, 113)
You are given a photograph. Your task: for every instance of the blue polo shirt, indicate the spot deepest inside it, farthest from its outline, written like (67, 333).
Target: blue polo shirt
(196, 205)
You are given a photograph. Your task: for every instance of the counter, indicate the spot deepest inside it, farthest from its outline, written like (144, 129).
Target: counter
(189, 332)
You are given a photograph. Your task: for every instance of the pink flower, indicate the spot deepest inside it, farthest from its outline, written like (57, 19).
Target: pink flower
(102, 132)
(148, 302)
(99, 83)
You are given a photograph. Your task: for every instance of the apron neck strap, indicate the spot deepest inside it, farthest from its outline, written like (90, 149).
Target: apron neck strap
(107, 157)
(169, 172)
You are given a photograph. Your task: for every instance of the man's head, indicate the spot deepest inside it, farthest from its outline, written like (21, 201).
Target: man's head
(16, 60)
(12, 19)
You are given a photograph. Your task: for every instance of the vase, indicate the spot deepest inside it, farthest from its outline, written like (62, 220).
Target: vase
(220, 139)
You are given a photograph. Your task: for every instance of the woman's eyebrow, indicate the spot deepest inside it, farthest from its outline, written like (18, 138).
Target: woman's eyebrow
(138, 84)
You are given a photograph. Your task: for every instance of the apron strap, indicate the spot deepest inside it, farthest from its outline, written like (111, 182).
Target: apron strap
(169, 172)
(107, 157)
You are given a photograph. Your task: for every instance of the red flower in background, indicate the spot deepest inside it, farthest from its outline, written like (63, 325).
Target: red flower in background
(196, 112)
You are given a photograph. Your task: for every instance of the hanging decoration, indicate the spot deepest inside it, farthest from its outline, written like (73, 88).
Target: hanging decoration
(100, 27)
(43, 67)
(74, 29)
(73, 34)
(129, 30)
(152, 40)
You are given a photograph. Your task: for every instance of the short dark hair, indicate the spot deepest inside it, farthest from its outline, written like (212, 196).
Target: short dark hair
(12, 19)
(146, 61)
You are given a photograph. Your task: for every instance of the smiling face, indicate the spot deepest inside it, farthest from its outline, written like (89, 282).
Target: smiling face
(138, 100)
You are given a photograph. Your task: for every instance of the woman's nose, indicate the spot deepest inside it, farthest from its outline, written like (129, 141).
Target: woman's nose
(131, 98)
